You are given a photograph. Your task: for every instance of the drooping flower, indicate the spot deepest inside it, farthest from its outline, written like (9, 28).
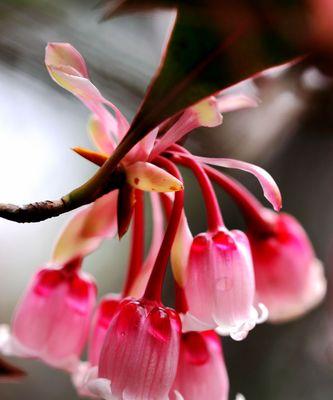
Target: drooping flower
(289, 278)
(52, 320)
(104, 313)
(140, 353)
(87, 370)
(220, 287)
(201, 372)
(138, 356)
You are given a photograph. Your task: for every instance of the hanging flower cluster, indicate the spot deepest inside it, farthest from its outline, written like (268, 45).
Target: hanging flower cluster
(225, 280)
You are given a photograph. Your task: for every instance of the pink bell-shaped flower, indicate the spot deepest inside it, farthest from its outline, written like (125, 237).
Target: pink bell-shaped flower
(140, 353)
(201, 372)
(289, 278)
(104, 313)
(219, 286)
(87, 370)
(52, 320)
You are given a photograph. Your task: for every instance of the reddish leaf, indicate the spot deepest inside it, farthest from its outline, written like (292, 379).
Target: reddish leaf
(215, 44)
(126, 201)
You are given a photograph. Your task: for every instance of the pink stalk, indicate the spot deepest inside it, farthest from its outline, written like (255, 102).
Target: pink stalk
(181, 305)
(253, 210)
(137, 246)
(73, 265)
(214, 216)
(154, 287)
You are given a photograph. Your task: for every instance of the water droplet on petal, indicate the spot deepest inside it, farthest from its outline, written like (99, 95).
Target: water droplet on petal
(224, 284)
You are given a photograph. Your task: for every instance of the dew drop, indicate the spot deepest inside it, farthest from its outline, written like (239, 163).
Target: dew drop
(224, 284)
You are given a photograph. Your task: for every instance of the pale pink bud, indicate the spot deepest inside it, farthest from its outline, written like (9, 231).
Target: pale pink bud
(65, 55)
(52, 320)
(289, 279)
(104, 313)
(140, 353)
(146, 176)
(67, 67)
(220, 286)
(201, 372)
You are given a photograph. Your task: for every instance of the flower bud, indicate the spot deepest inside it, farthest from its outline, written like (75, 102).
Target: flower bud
(146, 176)
(201, 372)
(140, 353)
(220, 286)
(289, 278)
(52, 320)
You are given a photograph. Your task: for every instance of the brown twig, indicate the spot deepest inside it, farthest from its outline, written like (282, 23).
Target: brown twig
(40, 211)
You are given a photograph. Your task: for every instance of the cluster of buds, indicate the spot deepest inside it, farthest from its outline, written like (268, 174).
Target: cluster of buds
(226, 281)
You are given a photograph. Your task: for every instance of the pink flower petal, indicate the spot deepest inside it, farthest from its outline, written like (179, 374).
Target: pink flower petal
(86, 230)
(201, 372)
(66, 67)
(181, 250)
(57, 304)
(205, 113)
(65, 54)
(269, 186)
(140, 352)
(290, 280)
(103, 315)
(232, 102)
(123, 124)
(142, 150)
(71, 244)
(101, 220)
(220, 286)
(100, 136)
(76, 84)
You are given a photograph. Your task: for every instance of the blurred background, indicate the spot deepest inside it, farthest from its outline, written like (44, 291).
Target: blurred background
(290, 134)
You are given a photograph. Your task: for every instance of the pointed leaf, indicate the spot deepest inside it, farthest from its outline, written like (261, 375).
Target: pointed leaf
(126, 201)
(90, 155)
(215, 44)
